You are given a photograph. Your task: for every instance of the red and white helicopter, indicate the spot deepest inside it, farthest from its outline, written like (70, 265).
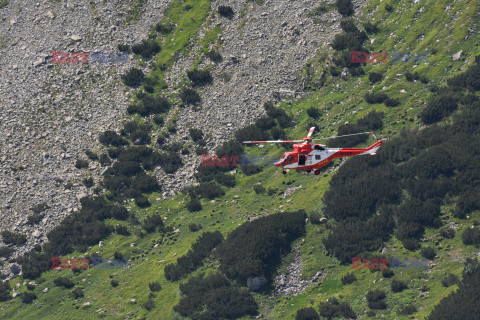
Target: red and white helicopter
(312, 157)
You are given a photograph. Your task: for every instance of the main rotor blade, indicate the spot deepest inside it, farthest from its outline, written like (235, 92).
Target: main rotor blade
(310, 132)
(274, 141)
(344, 135)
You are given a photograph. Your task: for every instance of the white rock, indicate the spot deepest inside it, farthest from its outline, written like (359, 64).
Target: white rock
(457, 55)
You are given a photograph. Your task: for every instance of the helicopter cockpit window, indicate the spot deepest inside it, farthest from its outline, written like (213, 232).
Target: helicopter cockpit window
(319, 148)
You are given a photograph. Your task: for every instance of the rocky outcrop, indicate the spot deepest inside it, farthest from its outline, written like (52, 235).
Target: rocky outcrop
(290, 282)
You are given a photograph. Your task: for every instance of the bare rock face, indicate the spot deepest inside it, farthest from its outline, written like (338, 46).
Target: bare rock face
(257, 282)
(291, 282)
(49, 112)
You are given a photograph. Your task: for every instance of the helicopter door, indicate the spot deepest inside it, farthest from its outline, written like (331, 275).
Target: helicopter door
(301, 159)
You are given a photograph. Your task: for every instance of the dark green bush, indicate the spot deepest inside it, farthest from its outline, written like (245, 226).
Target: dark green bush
(379, 305)
(194, 257)
(13, 237)
(122, 230)
(225, 11)
(348, 278)
(376, 295)
(375, 77)
(196, 134)
(150, 105)
(345, 7)
(398, 286)
(313, 112)
(154, 286)
(214, 297)
(34, 219)
(194, 205)
(209, 190)
(104, 159)
(390, 102)
(227, 180)
(158, 119)
(81, 164)
(153, 222)
(315, 217)
(142, 202)
(88, 182)
(428, 252)
(123, 47)
(214, 56)
(348, 25)
(370, 27)
(333, 308)
(91, 155)
(114, 283)
(372, 97)
(254, 248)
(259, 189)
(199, 77)
(146, 48)
(5, 291)
(31, 286)
(307, 314)
(407, 309)
(471, 236)
(77, 293)
(448, 233)
(387, 273)
(411, 244)
(39, 208)
(438, 107)
(164, 28)
(149, 305)
(6, 252)
(193, 227)
(111, 138)
(133, 77)
(189, 96)
(63, 282)
(352, 41)
(28, 297)
(450, 280)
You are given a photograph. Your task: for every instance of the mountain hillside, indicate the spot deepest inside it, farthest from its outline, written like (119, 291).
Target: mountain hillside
(104, 161)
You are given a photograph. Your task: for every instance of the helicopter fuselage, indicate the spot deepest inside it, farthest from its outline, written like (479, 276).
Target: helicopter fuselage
(307, 156)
